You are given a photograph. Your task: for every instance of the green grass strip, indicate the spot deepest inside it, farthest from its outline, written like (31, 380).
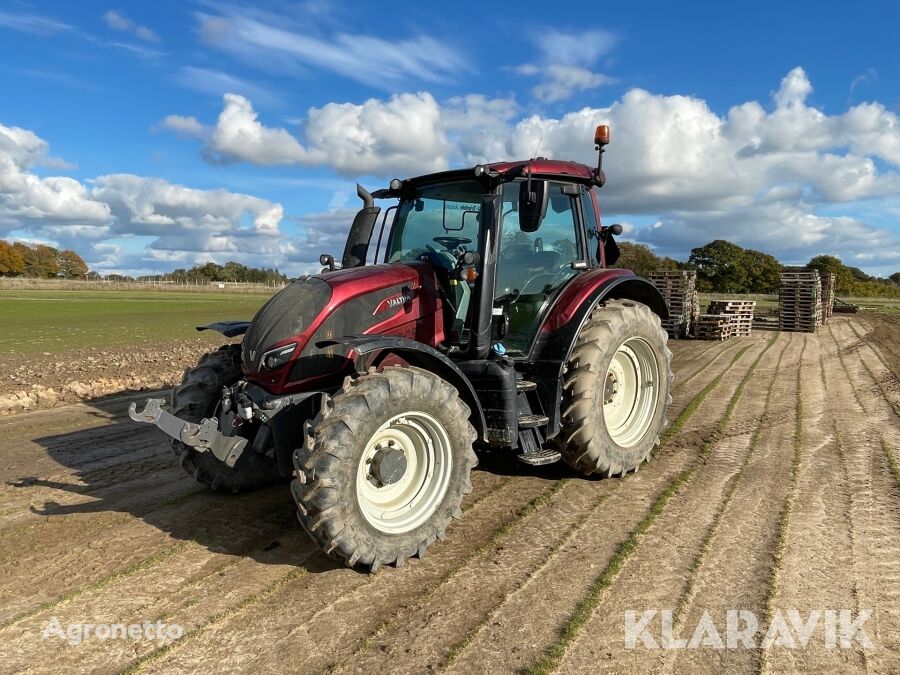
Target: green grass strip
(787, 509)
(694, 403)
(687, 593)
(892, 463)
(585, 608)
(269, 590)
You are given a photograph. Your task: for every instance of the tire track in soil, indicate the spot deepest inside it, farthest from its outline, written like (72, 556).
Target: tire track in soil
(566, 580)
(885, 381)
(328, 638)
(297, 607)
(818, 549)
(735, 564)
(717, 351)
(194, 588)
(874, 499)
(326, 631)
(428, 635)
(127, 570)
(662, 573)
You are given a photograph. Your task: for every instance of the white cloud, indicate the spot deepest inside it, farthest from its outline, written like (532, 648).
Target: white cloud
(218, 83)
(239, 136)
(402, 134)
(33, 23)
(183, 222)
(278, 42)
(26, 197)
(561, 82)
(119, 22)
(788, 179)
(566, 62)
(184, 126)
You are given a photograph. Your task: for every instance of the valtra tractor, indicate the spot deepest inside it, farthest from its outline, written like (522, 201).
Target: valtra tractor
(488, 320)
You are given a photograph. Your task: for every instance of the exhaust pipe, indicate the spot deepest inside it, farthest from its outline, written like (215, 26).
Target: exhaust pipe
(361, 230)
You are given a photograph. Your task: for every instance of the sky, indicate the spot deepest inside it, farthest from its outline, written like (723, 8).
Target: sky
(149, 136)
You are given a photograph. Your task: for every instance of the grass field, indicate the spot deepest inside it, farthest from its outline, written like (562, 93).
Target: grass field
(57, 320)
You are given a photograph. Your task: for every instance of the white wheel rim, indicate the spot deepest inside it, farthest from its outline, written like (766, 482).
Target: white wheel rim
(630, 392)
(410, 501)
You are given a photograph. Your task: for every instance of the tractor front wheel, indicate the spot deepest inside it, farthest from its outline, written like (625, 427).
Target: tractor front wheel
(615, 389)
(385, 467)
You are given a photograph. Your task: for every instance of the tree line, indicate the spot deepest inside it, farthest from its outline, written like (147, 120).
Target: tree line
(40, 262)
(723, 267)
(230, 271)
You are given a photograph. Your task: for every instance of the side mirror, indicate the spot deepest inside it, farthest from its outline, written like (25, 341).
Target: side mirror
(532, 204)
(326, 260)
(615, 229)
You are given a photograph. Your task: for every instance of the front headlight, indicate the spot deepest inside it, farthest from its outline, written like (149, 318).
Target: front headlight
(274, 359)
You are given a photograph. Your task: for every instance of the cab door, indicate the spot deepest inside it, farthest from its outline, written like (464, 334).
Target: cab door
(532, 267)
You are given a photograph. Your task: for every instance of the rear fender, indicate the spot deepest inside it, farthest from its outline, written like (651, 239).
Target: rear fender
(373, 350)
(556, 337)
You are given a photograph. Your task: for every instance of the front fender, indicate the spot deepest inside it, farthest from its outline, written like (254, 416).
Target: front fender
(376, 347)
(556, 337)
(227, 328)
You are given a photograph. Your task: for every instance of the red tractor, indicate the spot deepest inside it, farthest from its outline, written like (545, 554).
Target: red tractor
(488, 319)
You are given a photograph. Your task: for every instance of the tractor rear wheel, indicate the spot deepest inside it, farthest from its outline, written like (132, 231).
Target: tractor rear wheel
(385, 466)
(197, 398)
(615, 389)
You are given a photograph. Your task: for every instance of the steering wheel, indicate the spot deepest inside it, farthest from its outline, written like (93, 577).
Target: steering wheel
(450, 243)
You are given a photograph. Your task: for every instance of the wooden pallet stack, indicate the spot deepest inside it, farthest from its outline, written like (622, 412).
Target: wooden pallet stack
(695, 307)
(677, 288)
(739, 313)
(712, 327)
(800, 300)
(828, 280)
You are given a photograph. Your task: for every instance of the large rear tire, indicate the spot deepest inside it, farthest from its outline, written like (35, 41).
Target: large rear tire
(197, 398)
(385, 467)
(615, 390)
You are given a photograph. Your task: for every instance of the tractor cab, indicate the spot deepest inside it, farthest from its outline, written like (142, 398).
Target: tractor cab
(503, 239)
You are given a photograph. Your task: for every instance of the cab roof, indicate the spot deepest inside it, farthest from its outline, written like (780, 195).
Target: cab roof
(540, 166)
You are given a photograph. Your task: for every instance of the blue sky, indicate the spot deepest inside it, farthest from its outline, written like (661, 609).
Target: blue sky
(155, 135)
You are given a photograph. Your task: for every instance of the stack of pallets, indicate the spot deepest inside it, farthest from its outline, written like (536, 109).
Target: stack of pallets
(828, 280)
(695, 307)
(800, 300)
(739, 313)
(677, 288)
(712, 327)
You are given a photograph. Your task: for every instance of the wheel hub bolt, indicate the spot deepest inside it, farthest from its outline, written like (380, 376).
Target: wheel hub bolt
(388, 465)
(610, 390)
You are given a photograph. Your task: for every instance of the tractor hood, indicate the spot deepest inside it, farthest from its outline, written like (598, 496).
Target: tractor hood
(331, 305)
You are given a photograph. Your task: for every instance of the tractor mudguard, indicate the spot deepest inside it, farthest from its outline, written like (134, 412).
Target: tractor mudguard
(227, 328)
(416, 354)
(556, 337)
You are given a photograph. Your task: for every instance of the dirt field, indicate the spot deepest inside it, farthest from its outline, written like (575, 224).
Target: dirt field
(777, 488)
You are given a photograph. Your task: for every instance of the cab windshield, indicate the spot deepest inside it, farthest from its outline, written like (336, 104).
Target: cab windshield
(440, 217)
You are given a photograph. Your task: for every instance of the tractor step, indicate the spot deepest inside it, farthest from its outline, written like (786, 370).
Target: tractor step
(539, 457)
(532, 421)
(525, 385)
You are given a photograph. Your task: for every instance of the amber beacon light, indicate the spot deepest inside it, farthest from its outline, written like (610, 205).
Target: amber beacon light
(601, 135)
